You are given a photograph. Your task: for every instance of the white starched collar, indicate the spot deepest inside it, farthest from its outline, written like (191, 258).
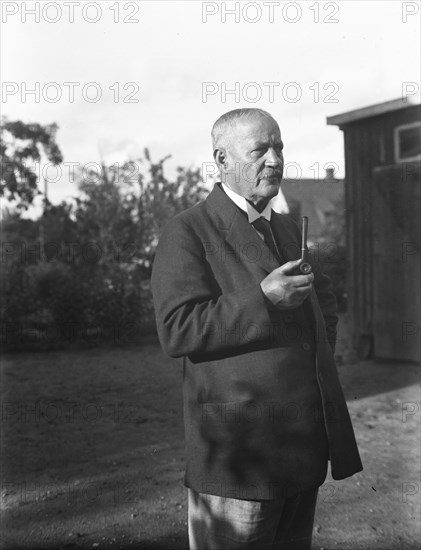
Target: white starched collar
(242, 203)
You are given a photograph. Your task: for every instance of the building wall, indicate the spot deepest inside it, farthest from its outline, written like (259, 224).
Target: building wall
(369, 143)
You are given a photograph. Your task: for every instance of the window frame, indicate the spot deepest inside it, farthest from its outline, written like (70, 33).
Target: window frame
(396, 132)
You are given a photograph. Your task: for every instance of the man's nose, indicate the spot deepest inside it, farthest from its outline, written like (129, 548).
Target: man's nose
(272, 158)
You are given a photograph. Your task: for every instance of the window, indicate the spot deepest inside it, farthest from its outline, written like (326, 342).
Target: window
(408, 142)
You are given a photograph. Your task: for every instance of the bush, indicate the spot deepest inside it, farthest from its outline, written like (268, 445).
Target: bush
(94, 279)
(49, 298)
(334, 264)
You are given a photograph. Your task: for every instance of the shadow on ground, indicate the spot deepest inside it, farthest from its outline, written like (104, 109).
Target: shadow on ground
(93, 454)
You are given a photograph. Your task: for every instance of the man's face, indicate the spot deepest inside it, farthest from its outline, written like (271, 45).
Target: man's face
(254, 160)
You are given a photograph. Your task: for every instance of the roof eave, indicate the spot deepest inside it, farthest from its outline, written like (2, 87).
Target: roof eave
(370, 111)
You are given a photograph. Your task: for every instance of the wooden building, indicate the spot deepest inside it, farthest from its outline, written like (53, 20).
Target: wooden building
(382, 198)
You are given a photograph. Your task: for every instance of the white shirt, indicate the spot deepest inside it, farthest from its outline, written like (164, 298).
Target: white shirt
(251, 212)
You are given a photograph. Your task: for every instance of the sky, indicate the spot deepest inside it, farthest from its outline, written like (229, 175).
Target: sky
(157, 74)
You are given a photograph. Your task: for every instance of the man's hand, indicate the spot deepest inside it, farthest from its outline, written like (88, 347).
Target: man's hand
(285, 290)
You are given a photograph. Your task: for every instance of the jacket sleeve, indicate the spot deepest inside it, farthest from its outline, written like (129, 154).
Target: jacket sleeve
(193, 317)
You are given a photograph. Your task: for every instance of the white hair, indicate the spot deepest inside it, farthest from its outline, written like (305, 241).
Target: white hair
(222, 129)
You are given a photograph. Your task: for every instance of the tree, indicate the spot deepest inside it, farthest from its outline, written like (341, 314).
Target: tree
(84, 266)
(124, 208)
(21, 147)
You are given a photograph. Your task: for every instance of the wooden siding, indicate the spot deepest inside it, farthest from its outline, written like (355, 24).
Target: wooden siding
(369, 145)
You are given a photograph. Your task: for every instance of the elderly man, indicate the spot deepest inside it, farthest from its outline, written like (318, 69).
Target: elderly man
(264, 410)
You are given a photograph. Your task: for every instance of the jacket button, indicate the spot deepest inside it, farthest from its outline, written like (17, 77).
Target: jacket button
(288, 318)
(306, 346)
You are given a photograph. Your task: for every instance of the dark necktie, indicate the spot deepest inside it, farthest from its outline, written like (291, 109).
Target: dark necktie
(263, 226)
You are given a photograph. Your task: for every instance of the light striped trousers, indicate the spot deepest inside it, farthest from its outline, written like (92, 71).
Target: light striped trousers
(220, 523)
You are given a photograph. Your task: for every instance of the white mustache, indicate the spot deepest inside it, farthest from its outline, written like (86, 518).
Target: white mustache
(272, 175)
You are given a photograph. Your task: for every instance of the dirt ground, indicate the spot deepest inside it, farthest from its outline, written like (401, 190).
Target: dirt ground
(93, 453)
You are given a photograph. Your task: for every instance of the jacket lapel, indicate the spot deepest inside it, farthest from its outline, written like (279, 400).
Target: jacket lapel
(238, 233)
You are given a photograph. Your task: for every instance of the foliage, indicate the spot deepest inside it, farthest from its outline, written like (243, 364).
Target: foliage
(84, 266)
(21, 146)
(334, 264)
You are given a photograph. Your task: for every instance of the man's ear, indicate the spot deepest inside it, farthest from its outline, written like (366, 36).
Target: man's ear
(219, 157)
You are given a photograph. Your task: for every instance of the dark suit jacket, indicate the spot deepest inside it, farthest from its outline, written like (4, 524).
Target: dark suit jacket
(263, 406)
